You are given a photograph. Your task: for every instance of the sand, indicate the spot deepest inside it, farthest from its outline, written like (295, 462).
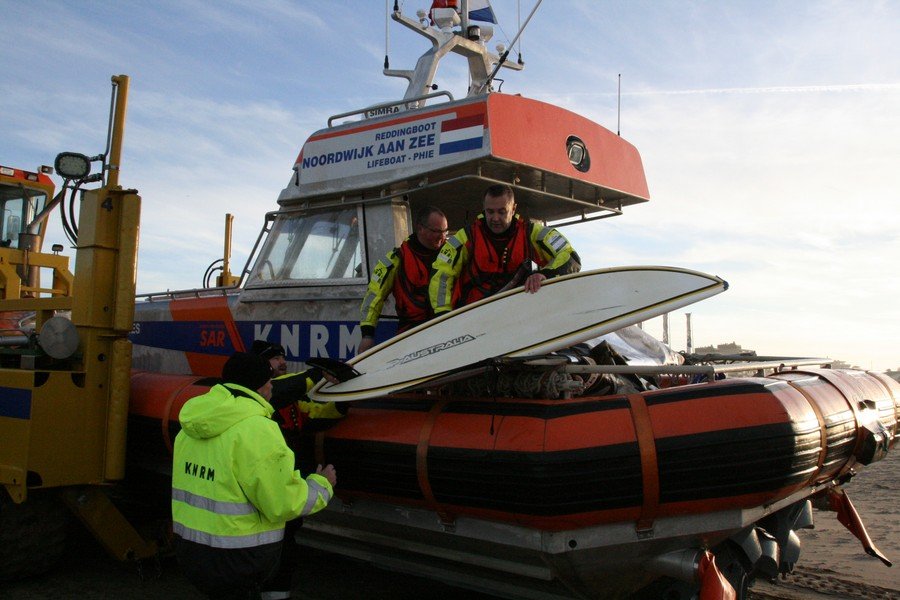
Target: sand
(833, 563)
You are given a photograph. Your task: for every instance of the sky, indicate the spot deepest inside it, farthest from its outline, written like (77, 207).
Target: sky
(769, 133)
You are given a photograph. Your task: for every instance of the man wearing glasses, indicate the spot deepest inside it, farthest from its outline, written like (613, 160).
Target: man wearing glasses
(496, 253)
(405, 273)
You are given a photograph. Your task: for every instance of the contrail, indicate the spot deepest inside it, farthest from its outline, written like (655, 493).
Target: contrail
(785, 89)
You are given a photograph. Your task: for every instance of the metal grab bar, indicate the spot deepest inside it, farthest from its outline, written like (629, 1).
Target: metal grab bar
(406, 101)
(708, 370)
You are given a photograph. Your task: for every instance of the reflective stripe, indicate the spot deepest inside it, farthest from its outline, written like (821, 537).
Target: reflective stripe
(272, 595)
(442, 292)
(214, 506)
(558, 242)
(367, 304)
(315, 489)
(444, 256)
(555, 241)
(449, 255)
(228, 541)
(455, 242)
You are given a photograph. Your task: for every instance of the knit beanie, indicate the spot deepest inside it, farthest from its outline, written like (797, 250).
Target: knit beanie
(249, 370)
(267, 349)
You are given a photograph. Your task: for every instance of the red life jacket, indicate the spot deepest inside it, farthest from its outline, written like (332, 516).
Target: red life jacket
(411, 285)
(292, 418)
(487, 270)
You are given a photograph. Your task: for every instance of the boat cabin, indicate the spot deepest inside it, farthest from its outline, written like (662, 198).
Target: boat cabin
(355, 187)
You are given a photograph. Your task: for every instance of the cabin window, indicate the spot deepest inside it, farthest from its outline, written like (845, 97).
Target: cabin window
(578, 154)
(18, 206)
(317, 246)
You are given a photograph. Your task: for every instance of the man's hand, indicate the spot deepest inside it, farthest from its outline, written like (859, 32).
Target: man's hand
(328, 473)
(533, 283)
(365, 344)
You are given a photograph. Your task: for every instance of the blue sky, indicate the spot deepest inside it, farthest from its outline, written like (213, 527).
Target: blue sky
(768, 129)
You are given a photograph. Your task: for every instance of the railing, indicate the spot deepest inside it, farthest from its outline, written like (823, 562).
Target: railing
(406, 101)
(16, 294)
(710, 371)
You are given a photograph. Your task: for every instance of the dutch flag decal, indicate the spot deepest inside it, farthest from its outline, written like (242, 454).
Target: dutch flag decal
(464, 133)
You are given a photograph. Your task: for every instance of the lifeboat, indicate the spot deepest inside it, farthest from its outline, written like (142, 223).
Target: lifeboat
(625, 492)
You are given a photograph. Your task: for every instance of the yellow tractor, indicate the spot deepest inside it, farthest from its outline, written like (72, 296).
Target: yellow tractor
(65, 357)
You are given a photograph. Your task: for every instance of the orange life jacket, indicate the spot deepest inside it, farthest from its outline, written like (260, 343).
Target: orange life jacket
(487, 270)
(411, 285)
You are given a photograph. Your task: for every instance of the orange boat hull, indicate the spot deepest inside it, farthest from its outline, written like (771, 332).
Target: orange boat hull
(565, 464)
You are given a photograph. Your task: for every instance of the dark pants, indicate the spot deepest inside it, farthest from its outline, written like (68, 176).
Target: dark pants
(224, 574)
(283, 580)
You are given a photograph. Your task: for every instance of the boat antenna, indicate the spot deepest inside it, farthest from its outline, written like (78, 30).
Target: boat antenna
(505, 54)
(519, 23)
(387, 38)
(619, 109)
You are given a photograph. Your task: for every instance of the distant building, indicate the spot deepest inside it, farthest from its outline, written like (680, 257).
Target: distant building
(729, 348)
(840, 364)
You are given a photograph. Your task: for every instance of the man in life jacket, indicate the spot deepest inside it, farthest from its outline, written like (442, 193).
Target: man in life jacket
(294, 411)
(496, 253)
(405, 273)
(234, 485)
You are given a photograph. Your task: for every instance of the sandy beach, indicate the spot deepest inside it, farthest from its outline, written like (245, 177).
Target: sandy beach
(833, 563)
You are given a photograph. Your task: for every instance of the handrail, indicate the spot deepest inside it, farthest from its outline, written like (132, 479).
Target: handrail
(709, 370)
(406, 101)
(184, 294)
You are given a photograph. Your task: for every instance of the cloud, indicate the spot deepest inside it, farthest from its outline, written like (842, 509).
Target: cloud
(783, 195)
(768, 140)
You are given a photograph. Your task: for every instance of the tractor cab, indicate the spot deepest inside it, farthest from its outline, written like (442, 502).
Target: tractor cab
(23, 196)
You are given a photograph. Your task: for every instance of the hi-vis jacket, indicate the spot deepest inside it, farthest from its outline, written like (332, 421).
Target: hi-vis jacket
(404, 272)
(469, 267)
(233, 479)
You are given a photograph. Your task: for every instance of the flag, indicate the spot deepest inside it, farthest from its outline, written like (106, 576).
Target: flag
(454, 4)
(461, 134)
(480, 10)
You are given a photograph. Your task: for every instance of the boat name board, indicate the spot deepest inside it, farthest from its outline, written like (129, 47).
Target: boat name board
(381, 111)
(419, 144)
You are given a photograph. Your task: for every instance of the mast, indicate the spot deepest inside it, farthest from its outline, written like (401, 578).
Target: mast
(448, 34)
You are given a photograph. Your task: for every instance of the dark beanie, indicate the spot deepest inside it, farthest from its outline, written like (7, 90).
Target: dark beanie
(266, 349)
(249, 370)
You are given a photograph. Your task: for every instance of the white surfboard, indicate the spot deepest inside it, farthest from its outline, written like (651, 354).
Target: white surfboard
(565, 311)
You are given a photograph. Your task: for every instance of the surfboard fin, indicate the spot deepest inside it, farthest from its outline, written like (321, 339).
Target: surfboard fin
(336, 368)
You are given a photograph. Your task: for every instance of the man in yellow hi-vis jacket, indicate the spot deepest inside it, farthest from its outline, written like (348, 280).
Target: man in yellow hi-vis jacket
(405, 273)
(234, 485)
(496, 252)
